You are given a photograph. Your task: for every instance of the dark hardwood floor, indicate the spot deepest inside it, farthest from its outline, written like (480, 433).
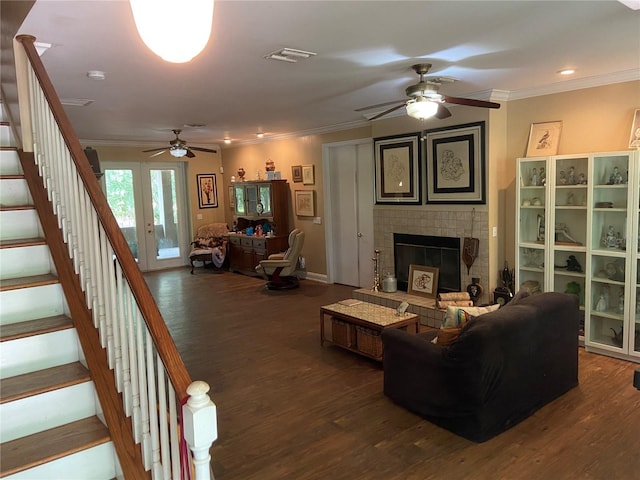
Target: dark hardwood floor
(289, 409)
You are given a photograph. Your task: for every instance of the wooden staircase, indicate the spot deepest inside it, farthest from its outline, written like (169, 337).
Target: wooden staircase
(51, 423)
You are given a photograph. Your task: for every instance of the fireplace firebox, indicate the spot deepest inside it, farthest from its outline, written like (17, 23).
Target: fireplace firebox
(440, 252)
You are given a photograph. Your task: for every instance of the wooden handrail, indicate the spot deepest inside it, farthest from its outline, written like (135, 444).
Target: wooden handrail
(160, 335)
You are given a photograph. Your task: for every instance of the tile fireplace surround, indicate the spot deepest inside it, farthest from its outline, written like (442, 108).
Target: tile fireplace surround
(440, 222)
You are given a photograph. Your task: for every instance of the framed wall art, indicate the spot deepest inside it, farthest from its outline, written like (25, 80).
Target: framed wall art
(296, 173)
(423, 281)
(397, 169)
(207, 190)
(456, 164)
(308, 176)
(304, 203)
(544, 139)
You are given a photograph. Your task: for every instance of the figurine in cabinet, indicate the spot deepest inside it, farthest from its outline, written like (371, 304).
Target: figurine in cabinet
(571, 176)
(601, 306)
(533, 180)
(543, 177)
(562, 178)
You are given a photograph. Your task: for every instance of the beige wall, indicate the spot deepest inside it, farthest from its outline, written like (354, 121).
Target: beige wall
(593, 120)
(305, 150)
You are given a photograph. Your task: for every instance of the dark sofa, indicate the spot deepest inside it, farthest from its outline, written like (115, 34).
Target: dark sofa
(504, 366)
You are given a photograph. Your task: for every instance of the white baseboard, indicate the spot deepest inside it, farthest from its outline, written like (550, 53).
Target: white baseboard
(316, 277)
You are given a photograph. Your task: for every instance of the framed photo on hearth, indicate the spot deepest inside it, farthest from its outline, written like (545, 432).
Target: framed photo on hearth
(456, 171)
(397, 169)
(423, 281)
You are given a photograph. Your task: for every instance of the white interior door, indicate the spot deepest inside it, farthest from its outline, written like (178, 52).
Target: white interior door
(348, 170)
(149, 204)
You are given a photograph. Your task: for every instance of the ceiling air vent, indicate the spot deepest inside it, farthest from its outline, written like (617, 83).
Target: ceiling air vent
(290, 55)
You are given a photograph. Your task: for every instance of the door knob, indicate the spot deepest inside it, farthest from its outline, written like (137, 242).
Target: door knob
(359, 235)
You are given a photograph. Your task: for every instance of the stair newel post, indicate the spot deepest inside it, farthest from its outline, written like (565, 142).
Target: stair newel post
(200, 427)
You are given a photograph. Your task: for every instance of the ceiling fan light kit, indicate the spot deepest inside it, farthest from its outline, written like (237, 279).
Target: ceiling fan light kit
(426, 101)
(179, 148)
(176, 40)
(421, 108)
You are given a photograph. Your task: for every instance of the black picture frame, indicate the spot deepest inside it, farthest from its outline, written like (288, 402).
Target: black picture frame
(207, 190)
(456, 164)
(398, 172)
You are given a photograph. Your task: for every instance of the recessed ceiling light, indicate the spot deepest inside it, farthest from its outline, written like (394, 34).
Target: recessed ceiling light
(195, 125)
(567, 71)
(259, 134)
(227, 140)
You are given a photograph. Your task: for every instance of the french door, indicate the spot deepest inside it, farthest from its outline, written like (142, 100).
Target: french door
(148, 201)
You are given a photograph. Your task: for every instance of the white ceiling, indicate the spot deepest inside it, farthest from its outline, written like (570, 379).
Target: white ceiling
(496, 50)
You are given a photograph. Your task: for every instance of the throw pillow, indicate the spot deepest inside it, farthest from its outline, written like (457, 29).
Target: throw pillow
(458, 316)
(447, 336)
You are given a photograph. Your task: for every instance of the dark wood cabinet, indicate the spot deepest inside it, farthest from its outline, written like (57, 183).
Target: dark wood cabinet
(246, 252)
(262, 199)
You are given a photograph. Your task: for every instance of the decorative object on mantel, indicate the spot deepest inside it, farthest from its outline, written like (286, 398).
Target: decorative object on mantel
(475, 290)
(456, 164)
(389, 283)
(471, 246)
(454, 299)
(544, 139)
(376, 273)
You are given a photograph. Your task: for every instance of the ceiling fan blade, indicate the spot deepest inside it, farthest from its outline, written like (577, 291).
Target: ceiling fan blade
(190, 154)
(442, 112)
(154, 150)
(379, 105)
(392, 109)
(157, 153)
(471, 102)
(200, 149)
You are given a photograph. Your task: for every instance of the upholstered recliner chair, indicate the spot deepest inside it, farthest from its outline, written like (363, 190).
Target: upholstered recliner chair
(280, 268)
(210, 245)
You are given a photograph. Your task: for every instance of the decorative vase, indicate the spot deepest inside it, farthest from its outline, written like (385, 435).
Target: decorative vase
(474, 289)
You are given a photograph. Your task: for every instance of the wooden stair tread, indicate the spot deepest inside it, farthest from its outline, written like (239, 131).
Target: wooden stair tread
(39, 448)
(26, 282)
(46, 380)
(7, 147)
(13, 331)
(5, 208)
(12, 176)
(22, 242)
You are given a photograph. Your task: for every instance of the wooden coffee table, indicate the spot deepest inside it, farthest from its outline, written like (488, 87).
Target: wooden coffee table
(358, 327)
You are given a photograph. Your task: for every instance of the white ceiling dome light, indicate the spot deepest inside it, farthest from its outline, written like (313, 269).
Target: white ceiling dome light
(174, 31)
(421, 108)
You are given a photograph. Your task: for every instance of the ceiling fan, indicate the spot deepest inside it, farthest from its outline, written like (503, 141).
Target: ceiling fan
(425, 100)
(178, 148)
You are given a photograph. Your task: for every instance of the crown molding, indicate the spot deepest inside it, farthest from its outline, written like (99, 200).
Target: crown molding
(576, 84)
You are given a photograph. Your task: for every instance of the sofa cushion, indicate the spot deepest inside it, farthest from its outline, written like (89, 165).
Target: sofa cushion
(458, 316)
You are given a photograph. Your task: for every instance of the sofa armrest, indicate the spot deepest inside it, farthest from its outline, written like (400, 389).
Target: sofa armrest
(422, 377)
